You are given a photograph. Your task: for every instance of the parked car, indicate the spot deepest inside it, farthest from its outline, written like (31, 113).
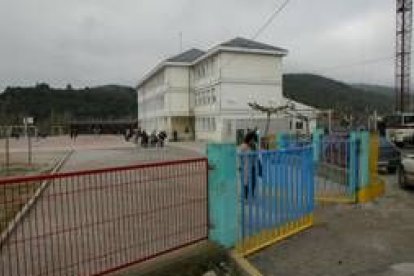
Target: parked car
(389, 156)
(406, 171)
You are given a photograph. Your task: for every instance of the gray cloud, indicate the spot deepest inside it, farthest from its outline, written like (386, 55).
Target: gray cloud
(90, 42)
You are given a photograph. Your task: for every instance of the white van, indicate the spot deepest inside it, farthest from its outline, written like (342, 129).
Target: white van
(400, 128)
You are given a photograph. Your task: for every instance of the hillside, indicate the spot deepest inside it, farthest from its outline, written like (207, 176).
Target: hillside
(326, 93)
(50, 105)
(385, 90)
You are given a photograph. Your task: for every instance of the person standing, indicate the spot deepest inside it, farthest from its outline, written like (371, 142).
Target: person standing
(248, 163)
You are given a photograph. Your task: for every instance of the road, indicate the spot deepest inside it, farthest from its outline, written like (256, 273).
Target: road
(374, 239)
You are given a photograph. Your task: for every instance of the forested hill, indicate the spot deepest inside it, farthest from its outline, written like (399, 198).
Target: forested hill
(48, 104)
(321, 92)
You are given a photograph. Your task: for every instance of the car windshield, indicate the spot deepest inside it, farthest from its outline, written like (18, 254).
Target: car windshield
(394, 120)
(409, 119)
(384, 142)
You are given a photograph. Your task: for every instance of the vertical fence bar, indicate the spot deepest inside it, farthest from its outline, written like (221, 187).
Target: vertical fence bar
(243, 195)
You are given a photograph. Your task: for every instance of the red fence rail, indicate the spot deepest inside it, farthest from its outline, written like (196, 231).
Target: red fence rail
(97, 221)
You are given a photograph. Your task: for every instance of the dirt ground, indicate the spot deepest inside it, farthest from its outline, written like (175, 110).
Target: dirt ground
(371, 239)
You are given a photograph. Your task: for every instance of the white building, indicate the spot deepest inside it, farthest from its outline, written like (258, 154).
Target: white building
(205, 95)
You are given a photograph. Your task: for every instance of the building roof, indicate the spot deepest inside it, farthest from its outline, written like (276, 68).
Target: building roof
(187, 56)
(240, 42)
(193, 56)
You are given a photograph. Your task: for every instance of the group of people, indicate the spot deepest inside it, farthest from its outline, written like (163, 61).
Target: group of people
(73, 134)
(155, 139)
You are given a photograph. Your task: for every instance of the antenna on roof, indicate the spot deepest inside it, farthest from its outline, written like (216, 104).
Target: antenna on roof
(180, 37)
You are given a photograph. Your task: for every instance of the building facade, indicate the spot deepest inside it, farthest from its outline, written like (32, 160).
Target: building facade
(205, 95)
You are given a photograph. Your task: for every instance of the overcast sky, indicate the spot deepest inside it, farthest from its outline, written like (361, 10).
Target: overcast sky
(93, 42)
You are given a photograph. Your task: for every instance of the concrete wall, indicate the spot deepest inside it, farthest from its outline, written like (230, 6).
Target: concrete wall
(250, 78)
(258, 68)
(177, 93)
(236, 96)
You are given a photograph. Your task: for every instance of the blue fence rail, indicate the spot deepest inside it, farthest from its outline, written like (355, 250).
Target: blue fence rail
(276, 195)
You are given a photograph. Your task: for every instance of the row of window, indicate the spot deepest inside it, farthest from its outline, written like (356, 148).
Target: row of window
(204, 68)
(205, 124)
(155, 103)
(205, 97)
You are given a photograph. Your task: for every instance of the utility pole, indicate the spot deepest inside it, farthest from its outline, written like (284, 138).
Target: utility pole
(7, 144)
(403, 56)
(181, 41)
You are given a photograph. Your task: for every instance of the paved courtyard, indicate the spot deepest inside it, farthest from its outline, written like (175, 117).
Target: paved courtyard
(372, 239)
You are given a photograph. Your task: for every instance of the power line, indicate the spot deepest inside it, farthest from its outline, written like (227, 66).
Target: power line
(263, 27)
(270, 19)
(355, 64)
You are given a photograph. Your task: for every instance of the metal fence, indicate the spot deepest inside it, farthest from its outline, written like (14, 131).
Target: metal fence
(336, 169)
(276, 196)
(94, 222)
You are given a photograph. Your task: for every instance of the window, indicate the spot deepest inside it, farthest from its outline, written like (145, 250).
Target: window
(229, 128)
(203, 98)
(208, 96)
(213, 124)
(213, 95)
(394, 120)
(299, 125)
(204, 124)
(409, 119)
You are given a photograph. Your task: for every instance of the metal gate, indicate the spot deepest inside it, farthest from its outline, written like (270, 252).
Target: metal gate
(337, 169)
(98, 221)
(276, 191)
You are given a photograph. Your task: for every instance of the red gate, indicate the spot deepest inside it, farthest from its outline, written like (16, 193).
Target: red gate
(97, 221)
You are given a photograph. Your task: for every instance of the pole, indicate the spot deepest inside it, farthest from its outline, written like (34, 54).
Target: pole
(7, 153)
(181, 41)
(267, 124)
(29, 144)
(330, 121)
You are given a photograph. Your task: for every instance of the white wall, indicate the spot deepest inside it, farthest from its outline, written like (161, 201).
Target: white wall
(253, 67)
(236, 96)
(177, 93)
(250, 78)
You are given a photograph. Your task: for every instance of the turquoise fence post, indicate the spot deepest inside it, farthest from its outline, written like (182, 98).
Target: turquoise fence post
(279, 137)
(363, 160)
(316, 144)
(222, 193)
(353, 164)
(281, 141)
